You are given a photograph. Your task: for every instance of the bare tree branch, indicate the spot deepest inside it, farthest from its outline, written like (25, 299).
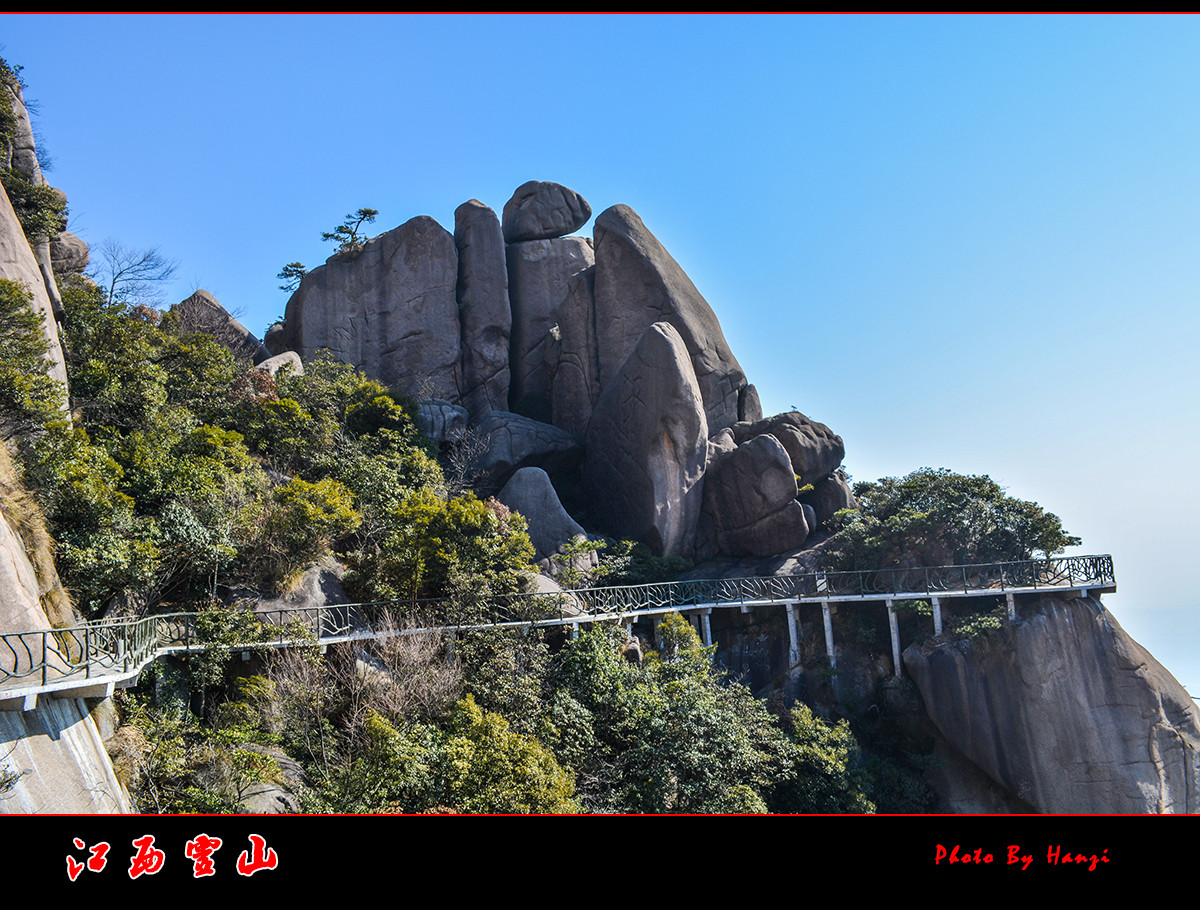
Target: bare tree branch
(133, 276)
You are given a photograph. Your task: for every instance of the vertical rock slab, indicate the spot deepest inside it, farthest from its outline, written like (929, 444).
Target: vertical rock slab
(55, 748)
(389, 309)
(1066, 711)
(483, 307)
(23, 160)
(575, 378)
(539, 280)
(540, 210)
(63, 766)
(647, 445)
(639, 284)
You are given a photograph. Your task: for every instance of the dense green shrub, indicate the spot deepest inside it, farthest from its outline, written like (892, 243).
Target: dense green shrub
(936, 517)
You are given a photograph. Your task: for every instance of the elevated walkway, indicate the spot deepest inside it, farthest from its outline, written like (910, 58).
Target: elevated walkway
(93, 659)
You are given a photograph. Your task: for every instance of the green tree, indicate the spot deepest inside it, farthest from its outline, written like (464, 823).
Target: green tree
(938, 517)
(291, 275)
(346, 235)
(489, 768)
(29, 398)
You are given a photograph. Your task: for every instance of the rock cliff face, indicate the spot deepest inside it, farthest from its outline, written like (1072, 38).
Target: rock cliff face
(1066, 712)
(55, 749)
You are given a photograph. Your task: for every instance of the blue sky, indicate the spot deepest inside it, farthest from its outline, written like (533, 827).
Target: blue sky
(966, 242)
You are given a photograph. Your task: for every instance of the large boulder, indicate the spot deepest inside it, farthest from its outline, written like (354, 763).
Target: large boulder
(389, 309)
(483, 307)
(289, 359)
(815, 450)
(442, 421)
(540, 273)
(647, 445)
(829, 496)
(539, 210)
(513, 441)
(69, 254)
(530, 492)
(202, 312)
(750, 506)
(639, 284)
(1066, 711)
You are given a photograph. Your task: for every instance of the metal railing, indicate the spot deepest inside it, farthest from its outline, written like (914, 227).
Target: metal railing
(123, 646)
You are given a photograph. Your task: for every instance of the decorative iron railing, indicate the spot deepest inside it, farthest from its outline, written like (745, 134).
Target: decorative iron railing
(123, 646)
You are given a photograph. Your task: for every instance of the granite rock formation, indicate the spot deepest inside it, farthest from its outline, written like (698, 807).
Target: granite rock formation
(483, 306)
(1066, 712)
(534, 333)
(639, 284)
(388, 308)
(647, 446)
(539, 210)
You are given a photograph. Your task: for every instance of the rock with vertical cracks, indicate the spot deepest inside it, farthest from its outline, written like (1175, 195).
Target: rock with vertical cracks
(483, 307)
(389, 309)
(639, 284)
(647, 445)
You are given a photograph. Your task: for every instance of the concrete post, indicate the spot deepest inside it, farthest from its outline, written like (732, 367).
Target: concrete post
(937, 616)
(706, 628)
(1012, 607)
(828, 634)
(793, 644)
(894, 628)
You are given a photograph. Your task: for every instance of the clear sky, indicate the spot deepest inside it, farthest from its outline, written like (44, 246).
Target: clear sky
(963, 242)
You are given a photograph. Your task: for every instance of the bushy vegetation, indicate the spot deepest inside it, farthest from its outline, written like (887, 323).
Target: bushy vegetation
(937, 517)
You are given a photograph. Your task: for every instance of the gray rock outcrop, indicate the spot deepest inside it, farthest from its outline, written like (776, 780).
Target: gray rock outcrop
(639, 284)
(828, 497)
(530, 492)
(69, 255)
(750, 506)
(202, 312)
(540, 273)
(1067, 712)
(274, 364)
(273, 340)
(513, 441)
(441, 421)
(539, 210)
(389, 309)
(647, 446)
(483, 307)
(815, 450)
(572, 357)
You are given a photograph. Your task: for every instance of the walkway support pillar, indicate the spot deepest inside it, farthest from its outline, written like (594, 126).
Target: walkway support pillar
(1012, 606)
(937, 615)
(706, 628)
(793, 644)
(894, 628)
(828, 634)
